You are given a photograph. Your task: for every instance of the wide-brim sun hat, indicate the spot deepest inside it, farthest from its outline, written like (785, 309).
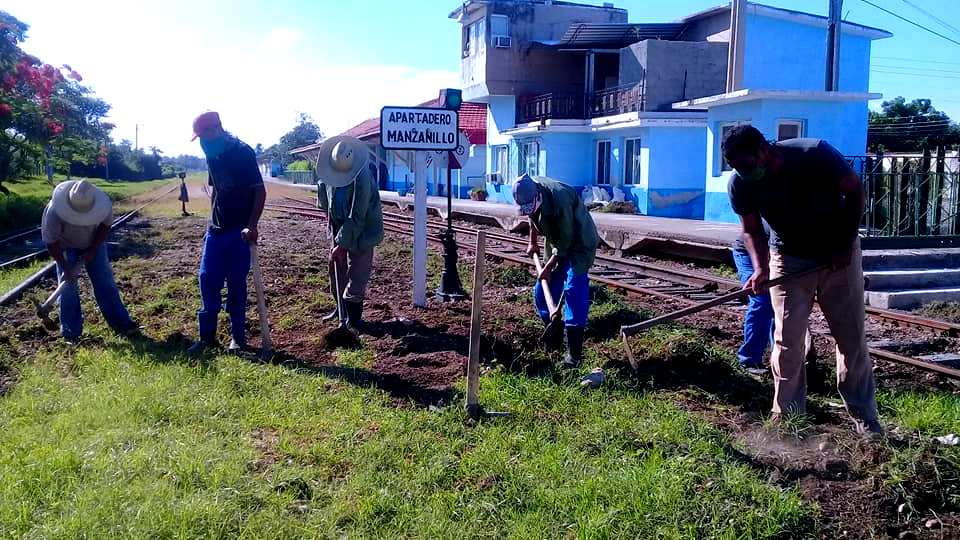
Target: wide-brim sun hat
(80, 203)
(340, 159)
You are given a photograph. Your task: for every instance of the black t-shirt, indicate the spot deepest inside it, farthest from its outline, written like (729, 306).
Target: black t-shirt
(802, 203)
(234, 175)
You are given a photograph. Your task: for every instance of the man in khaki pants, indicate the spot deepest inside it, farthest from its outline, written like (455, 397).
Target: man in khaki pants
(813, 201)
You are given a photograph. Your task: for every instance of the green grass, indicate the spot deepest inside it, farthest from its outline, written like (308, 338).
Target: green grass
(23, 207)
(930, 413)
(120, 443)
(11, 277)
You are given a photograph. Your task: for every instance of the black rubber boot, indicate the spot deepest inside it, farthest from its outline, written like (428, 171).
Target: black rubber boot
(354, 315)
(552, 338)
(574, 356)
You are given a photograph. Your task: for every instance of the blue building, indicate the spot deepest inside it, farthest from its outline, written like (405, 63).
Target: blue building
(577, 93)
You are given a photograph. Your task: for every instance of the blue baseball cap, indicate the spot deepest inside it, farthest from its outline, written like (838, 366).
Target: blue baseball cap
(525, 194)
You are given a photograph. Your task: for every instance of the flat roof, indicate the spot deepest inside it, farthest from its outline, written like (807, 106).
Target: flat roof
(793, 15)
(748, 94)
(455, 14)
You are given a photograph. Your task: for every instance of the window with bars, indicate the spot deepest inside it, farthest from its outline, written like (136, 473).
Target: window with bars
(789, 129)
(530, 157)
(631, 173)
(603, 162)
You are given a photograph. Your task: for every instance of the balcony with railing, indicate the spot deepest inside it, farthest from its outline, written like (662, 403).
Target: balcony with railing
(621, 99)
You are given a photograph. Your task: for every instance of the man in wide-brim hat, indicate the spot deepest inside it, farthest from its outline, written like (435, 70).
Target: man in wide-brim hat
(347, 189)
(75, 226)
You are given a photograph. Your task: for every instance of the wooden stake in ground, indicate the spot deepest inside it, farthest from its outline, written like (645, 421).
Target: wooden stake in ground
(266, 344)
(473, 362)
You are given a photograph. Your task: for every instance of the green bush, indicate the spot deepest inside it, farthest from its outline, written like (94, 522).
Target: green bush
(301, 165)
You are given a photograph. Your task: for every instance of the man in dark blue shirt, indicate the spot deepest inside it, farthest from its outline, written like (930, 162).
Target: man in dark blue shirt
(236, 205)
(813, 201)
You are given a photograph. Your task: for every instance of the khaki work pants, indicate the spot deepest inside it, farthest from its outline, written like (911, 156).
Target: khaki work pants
(354, 274)
(840, 295)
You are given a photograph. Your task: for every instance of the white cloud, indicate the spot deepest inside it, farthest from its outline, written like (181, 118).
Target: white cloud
(160, 72)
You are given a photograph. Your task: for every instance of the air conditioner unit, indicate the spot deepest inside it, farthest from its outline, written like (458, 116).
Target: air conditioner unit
(502, 42)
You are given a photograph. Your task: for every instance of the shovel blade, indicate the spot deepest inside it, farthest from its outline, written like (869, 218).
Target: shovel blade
(628, 350)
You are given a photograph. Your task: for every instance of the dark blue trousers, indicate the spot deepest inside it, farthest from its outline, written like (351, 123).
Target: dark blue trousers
(758, 323)
(575, 289)
(226, 258)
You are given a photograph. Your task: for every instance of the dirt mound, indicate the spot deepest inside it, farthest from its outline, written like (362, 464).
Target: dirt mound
(338, 338)
(426, 377)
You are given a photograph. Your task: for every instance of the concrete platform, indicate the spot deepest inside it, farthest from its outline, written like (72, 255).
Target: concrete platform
(913, 278)
(627, 233)
(911, 298)
(911, 258)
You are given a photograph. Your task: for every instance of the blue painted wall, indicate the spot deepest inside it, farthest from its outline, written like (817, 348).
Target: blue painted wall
(675, 184)
(786, 55)
(841, 123)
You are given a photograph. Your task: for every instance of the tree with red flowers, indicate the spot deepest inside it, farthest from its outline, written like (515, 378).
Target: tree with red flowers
(45, 113)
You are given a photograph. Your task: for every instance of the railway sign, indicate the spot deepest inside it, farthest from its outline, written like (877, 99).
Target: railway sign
(418, 128)
(453, 159)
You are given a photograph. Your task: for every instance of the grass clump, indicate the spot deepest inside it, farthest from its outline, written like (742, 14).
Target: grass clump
(946, 311)
(510, 275)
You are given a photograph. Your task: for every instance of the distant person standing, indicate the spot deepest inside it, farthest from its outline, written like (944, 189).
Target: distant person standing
(237, 200)
(184, 196)
(813, 201)
(75, 226)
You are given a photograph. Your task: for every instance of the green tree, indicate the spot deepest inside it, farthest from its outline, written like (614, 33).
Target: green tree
(910, 126)
(304, 133)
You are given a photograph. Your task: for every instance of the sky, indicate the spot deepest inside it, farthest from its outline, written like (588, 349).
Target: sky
(262, 62)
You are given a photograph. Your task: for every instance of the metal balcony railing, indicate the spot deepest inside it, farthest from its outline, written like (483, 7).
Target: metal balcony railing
(579, 106)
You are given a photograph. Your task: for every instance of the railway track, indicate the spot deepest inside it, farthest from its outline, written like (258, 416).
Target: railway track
(638, 277)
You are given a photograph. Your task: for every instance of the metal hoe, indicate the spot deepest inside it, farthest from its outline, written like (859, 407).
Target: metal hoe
(43, 310)
(629, 330)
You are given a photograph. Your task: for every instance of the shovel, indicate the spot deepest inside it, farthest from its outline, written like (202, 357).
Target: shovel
(343, 330)
(43, 310)
(552, 307)
(629, 330)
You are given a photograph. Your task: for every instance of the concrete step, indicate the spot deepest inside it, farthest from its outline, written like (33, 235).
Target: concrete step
(911, 298)
(912, 278)
(911, 258)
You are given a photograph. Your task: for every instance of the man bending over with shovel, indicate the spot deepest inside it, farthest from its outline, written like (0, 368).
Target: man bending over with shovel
(236, 206)
(556, 211)
(75, 226)
(813, 202)
(347, 190)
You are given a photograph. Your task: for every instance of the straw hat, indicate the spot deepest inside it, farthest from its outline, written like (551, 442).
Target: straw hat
(79, 202)
(340, 159)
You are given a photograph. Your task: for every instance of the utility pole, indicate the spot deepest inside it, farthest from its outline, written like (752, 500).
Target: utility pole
(136, 136)
(735, 50)
(832, 79)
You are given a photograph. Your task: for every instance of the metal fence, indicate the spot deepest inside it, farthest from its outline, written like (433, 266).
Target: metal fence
(910, 195)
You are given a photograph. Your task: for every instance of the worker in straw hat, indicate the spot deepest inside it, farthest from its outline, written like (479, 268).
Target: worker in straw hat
(347, 191)
(75, 226)
(556, 211)
(237, 200)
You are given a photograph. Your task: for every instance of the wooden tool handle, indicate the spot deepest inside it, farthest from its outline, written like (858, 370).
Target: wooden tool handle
(632, 329)
(545, 285)
(266, 342)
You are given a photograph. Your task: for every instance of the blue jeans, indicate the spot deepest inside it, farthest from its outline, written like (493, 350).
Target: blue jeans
(226, 257)
(758, 323)
(576, 295)
(104, 292)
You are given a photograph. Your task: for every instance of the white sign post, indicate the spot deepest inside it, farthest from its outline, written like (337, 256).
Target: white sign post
(421, 129)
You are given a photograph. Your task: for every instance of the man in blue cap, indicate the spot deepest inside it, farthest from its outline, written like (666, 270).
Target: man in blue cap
(556, 211)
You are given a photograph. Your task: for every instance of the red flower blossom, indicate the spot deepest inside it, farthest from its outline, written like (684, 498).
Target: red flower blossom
(9, 81)
(5, 110)
(55, 128)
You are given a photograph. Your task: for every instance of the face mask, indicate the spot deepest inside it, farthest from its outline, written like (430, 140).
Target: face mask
(213, 147)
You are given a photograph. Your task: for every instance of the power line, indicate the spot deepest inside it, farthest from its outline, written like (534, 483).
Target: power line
(918, 25)
(921, 69)
(932, 16)
(913, 74)
(916, 60)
